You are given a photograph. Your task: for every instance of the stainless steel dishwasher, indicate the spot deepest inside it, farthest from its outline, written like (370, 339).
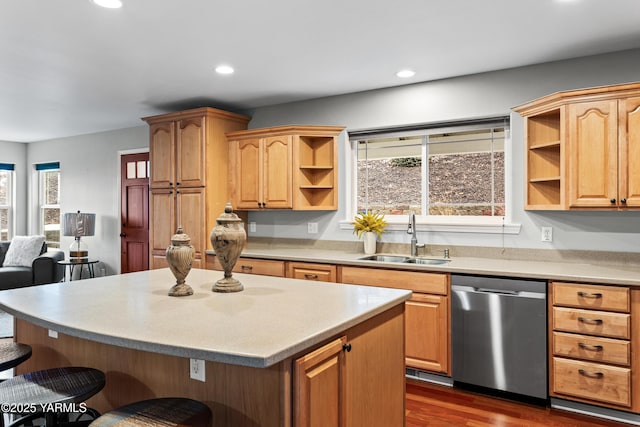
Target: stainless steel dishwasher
(499, 334)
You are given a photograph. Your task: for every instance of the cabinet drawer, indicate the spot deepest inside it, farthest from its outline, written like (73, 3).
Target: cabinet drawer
(594, 349)
(603, 383)
(591, 322)
(613, 298)
(250, 266)
(307, 271)
(427, 283)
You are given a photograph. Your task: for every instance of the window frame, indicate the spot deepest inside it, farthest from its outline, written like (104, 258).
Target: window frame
(438, 223)
(41, 169)
(10, 169)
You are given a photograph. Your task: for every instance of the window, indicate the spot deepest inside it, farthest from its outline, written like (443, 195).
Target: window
(49, 201)
(436, 171)
(6, 201)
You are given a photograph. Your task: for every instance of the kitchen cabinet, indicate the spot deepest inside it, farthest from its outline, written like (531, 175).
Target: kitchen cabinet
(188, 176)
(286, 167)
(250, 266)
(593, 331)
(311, 271)
(583, 149)
(427, 326)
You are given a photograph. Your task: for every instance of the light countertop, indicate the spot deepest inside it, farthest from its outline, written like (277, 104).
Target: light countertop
(271, 320)
(588, 272)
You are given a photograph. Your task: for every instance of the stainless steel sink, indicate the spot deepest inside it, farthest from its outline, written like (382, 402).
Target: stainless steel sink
(405, 259)
(385, 258)
(428, 261)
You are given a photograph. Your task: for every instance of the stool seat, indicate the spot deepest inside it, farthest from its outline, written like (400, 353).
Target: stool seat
(12, 354)
(160, 412)
(57, 385)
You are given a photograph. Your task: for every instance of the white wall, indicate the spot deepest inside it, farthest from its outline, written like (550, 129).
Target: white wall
(16, 153)
(90, 168)
(481, 95)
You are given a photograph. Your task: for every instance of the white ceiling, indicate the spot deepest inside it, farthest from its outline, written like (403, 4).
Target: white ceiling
(69, 67)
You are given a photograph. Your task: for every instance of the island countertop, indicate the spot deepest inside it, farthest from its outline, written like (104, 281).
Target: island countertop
(271, 320)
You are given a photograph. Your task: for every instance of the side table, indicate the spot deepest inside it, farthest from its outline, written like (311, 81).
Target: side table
(78, 262)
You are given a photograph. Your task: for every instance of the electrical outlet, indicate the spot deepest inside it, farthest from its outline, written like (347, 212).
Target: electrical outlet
(252, 227)
(53, 334)
(312, 227)
(196, 369)
(547, 234)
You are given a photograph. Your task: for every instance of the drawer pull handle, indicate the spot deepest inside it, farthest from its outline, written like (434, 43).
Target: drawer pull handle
(589, 294)
(590, 373)
(591, 321)
(590, 347)
(246, 267)
(310, 276)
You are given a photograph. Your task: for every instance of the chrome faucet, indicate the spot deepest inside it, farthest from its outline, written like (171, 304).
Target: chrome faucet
(414, 239)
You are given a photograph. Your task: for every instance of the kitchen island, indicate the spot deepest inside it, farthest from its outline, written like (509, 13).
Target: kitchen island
(267, 350)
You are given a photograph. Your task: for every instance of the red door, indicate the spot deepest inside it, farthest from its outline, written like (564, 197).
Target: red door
(134, 193)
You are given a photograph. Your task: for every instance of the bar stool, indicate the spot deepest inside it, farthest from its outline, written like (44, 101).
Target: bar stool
(160, 412)
(50, 387)
(12, 354)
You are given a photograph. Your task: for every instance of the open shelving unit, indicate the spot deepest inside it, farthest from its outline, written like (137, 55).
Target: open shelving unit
(317, 172)
(545, 170)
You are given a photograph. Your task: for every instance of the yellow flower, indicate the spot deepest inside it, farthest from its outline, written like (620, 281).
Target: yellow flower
(369, 221)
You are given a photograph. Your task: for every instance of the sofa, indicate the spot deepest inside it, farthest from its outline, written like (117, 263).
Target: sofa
(44, 269)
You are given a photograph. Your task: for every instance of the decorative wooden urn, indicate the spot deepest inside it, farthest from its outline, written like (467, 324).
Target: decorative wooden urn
(180, 258)
(227, 239)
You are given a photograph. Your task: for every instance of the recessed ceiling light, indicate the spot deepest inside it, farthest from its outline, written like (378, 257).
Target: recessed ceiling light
(111, 4)
(224, 69)
(405, 73)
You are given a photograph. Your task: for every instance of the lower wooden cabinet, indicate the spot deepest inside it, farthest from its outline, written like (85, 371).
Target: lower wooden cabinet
(592, 337)
(311, 271)
(427, 326)
(357, 379)
(319, 386)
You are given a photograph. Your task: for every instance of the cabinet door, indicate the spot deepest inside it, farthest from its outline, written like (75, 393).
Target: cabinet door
(190, 153)
(427, 333)
(245, 159)
(190, 214)
(319, 387)
(162, 225)
(593, 154)
(162, 154)
(277, 186)
(629, 152)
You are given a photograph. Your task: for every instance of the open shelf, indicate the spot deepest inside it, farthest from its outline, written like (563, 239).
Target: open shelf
(544, 160)
(317, 171)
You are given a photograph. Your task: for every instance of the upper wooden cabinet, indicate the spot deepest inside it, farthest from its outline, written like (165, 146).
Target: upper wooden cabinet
(286, 167)
(188, 154)
(583, 149)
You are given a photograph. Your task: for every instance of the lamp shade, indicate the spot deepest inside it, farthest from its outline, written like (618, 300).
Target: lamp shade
(79, 224)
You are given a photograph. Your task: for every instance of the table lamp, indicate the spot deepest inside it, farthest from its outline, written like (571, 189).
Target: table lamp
(78, 225)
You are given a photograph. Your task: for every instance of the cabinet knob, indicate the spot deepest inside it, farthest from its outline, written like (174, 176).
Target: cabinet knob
(123, 234)
(346, 347)
(612, 200)
(623, 200)
(177, 183)
(170, 183)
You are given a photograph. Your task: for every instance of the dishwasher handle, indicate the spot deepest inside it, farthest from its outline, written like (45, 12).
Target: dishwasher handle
(479, 290)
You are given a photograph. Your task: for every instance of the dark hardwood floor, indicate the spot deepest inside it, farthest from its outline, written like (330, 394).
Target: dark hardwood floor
(436, 405)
